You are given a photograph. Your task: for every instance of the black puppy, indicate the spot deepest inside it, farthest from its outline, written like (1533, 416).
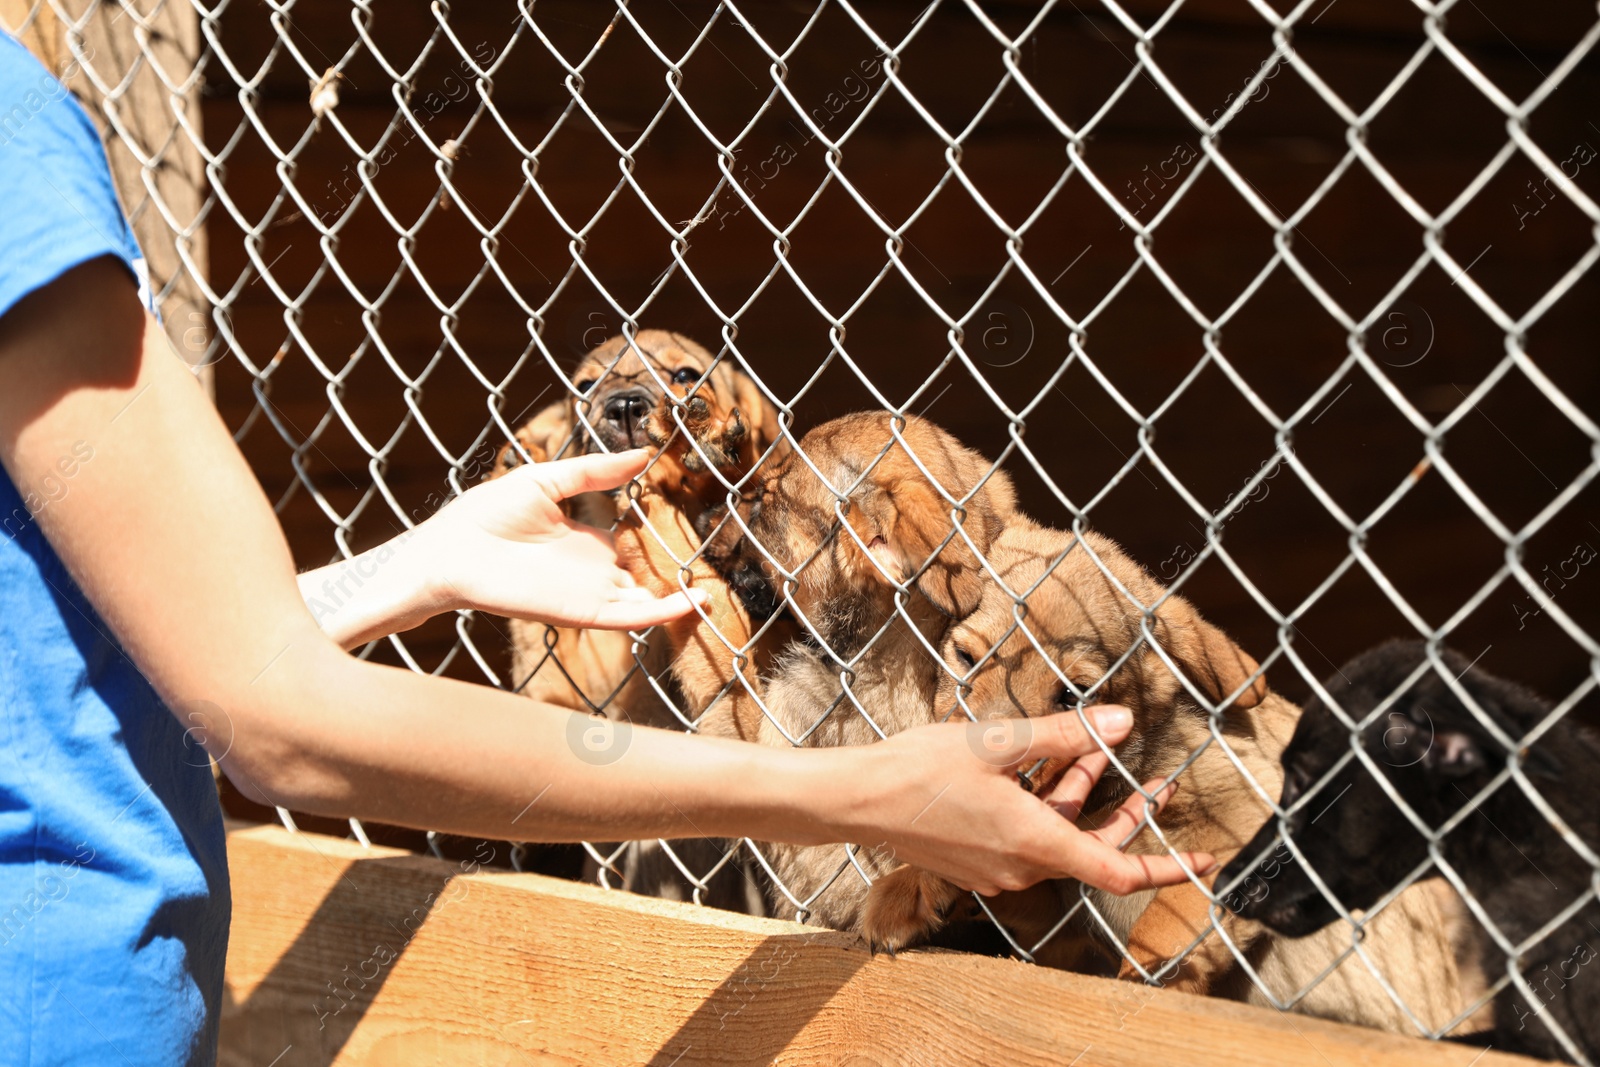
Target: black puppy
(1436, 755)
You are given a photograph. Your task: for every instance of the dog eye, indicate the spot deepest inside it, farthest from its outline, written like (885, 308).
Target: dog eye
(685, 375)
(964, 658)
(1065, 700)
(585, 385)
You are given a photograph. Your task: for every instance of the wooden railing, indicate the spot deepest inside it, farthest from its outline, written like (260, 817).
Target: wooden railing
(350, 955)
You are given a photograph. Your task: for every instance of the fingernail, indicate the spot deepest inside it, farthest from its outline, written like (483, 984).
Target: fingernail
(1112, 719)
(1205, 865)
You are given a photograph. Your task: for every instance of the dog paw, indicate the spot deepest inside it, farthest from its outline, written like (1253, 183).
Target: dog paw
(710, 441)
(904, 907)
(510, 456)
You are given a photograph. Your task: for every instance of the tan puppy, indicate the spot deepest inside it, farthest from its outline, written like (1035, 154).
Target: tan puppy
(1086, 642)
(839, 534)
(836, 535)
(619, 383)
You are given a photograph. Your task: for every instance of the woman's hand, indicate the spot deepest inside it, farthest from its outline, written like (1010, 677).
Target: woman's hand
(946, 798)
(504, 547)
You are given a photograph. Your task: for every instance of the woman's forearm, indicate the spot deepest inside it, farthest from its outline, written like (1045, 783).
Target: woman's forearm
(369, 596)
(330, 735)
(225, 626)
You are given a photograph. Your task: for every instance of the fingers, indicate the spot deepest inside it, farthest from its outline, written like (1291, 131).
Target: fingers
(1126, 818)
(565, 478)
(1095, 863)
(636, 609)
(1010, 742)
(1088, 858)
(1119, 873)
(1076, 783)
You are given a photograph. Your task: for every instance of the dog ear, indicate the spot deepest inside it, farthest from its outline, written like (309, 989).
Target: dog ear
(902, 518)
(953, 582)
(1517, 709)
(1209, 657)
(1538, 762)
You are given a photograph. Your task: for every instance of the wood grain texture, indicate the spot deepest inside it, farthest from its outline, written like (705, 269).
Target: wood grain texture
(347, 955)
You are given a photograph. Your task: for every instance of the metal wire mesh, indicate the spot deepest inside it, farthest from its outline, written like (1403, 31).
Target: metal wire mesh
(243, 56)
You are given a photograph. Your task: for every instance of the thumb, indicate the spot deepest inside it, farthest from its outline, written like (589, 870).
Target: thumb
(1062, 736)
(565, 478)
(646, 610)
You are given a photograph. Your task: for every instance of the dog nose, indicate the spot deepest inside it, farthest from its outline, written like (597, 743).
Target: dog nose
(626, 409)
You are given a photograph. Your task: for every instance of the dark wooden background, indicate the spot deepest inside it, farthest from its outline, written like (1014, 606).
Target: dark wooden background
(1516, 450)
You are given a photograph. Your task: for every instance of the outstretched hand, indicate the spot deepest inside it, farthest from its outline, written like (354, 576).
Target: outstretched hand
(506, 547)
(953, 805)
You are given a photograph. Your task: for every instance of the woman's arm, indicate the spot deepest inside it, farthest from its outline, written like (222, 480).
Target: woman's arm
(172, 540)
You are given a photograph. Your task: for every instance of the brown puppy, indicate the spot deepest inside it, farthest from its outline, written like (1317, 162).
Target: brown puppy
(620, 384)
(1082, 609)
(854, 538)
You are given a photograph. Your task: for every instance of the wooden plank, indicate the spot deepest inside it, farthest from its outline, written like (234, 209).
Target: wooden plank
(347, 955)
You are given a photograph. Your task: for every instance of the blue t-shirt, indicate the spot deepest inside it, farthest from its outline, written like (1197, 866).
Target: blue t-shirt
(113, 880)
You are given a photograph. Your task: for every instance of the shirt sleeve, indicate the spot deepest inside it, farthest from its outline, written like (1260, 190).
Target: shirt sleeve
(56, 197)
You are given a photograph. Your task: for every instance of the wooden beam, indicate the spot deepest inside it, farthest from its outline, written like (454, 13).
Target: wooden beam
(346, 955)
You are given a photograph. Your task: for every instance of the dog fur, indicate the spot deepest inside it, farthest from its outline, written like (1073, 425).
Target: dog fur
(1436, 754)
(891, 574)
(1089, 632)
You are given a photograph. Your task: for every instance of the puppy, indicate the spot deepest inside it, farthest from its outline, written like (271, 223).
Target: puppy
(618, 385)
(1080, 641)
(1421, 740)
(872, 541)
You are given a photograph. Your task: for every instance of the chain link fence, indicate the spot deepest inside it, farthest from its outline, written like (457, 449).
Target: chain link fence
(390, 233)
